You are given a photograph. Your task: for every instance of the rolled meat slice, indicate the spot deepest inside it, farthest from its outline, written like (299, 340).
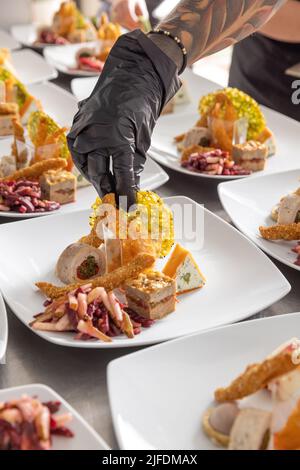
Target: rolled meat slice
(79, 262)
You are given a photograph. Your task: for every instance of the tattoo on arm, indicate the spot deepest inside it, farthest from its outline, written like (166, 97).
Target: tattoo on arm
(207, 26)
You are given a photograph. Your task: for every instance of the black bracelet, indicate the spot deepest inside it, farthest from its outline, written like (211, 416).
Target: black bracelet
(178, 42)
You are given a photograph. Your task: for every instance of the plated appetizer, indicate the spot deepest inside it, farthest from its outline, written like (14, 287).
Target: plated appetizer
(237, 424)
(38, 176)
(287, 216)
(92, 59)
(112, 287)
(26, 423)
(68, 26)
(230, 138)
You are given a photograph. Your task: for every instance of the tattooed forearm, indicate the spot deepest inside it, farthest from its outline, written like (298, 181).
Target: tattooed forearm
(207, 26)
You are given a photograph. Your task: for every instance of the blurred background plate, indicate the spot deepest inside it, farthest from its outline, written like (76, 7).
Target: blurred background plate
(31, 67)
(8, 41)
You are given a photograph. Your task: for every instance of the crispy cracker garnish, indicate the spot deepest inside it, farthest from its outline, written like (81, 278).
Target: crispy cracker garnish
(9, 108)
(92, 238)
(36, 170)
(109, 281)
(281, 232)
(256, 377)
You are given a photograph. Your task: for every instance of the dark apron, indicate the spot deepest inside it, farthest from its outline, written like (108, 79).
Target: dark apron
(258, 66)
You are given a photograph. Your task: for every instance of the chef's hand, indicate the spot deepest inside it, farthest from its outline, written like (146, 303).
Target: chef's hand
(127, 13)
(115, 124)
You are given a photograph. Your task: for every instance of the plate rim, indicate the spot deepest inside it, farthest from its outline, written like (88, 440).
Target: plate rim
(256, 241)
(66, 404)
(114, 364)
(31, 52)
(5, 321)
(285, 289)
(17, 45)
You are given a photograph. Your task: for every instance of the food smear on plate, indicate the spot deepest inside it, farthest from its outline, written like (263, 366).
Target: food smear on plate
(102, 298)
(231, 124)
(26, 423)
(286, 214)
(237, 425)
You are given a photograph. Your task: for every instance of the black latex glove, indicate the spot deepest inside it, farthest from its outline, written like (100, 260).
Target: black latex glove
(117, 120)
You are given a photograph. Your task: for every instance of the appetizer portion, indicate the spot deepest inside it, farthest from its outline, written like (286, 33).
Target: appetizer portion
(237, 426)
(26, 423)
(287, 216)
(182, 267)
(152, 295)
(25, 197)
(230, 137)
(251, 155)
(214, 162)
(112, 286)
(92, 311)
(21, 191)
(59, 186)
(79, 262)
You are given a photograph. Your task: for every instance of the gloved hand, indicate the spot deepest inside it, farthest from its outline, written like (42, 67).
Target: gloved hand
(116, 121)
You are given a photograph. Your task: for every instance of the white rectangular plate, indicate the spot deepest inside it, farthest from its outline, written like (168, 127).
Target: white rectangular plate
(64, 58)
(3, 329)
(85, 438)
(152, 178)
(8, 41)
(26, 34)
(286, 132)
(196, 86)
(241, 280)
(58, 103)
(31, 67)
(158, 395)
(249, 204)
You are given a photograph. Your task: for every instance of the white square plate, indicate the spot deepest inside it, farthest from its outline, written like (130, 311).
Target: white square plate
(158, 395)
(57, 102)
(3, 329)
(249, 204)
(164, 151)
(241, 280)
(85, 438)
(31, 67)
(26, 34)
(8, 41)
(152, 178)
(196, 86)
(64, 58)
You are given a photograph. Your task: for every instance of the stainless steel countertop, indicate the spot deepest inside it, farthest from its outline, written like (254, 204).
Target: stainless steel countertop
(80, 375)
